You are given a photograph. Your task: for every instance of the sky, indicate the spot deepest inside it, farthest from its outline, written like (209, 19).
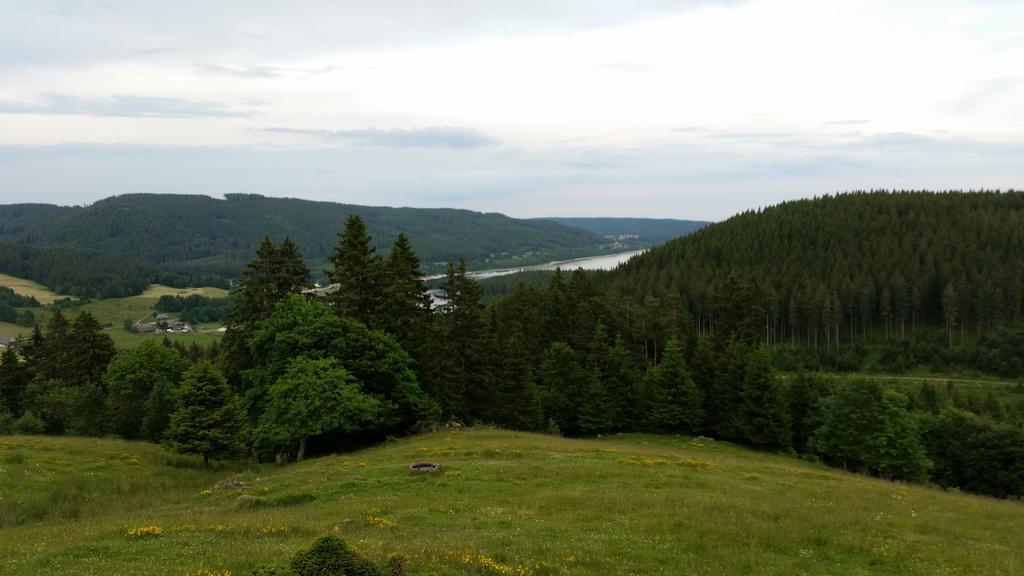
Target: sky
(692, 109)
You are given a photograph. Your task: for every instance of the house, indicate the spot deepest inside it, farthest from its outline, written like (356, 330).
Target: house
(145, 328)
(162, 317)
(6, 342)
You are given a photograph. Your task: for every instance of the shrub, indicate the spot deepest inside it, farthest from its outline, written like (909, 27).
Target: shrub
(330, 556)
(29, 423)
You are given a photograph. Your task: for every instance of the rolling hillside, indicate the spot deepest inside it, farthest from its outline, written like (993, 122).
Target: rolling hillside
(503, 503)
(197, 235)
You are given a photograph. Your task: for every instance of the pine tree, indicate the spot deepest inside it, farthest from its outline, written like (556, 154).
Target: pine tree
(89, 351)
(518, 399)
(674, 400)
(563, 383)
(703, 369)
(358, 273)
(595, 407)
(804, 394)
(406, 304)
(14, 378)
(763, 419)
(725, 398)
(54, 360)
(625, 387)
(207, 421)
(267, 279)
(460, 332)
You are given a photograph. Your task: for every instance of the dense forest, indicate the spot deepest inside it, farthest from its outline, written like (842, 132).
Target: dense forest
(189, 238)
(297, 374)
(79, 273)
(892, 281)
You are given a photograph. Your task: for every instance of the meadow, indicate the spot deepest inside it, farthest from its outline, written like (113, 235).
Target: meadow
(503, 503)
(29, 288)
(113, 312)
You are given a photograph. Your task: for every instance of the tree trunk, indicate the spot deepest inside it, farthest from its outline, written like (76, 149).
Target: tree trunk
(302, 449)
(206, 460)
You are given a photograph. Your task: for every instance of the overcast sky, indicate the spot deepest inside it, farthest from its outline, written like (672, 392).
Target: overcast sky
(688, 109)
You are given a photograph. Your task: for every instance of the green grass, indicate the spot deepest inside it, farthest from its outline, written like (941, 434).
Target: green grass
(504, 503)
(29, 288)
(113, 312)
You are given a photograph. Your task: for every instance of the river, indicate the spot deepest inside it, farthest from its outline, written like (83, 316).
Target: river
(605, 262)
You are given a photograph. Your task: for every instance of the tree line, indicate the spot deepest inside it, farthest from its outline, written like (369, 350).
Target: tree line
(297, 373)
(837, 277)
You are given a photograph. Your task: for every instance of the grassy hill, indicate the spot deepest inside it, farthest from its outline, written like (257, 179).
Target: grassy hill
(29, 288)
(504, 503)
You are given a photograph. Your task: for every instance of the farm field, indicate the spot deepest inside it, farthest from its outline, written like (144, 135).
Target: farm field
(503, 503)
(29, 288)
(113, 312)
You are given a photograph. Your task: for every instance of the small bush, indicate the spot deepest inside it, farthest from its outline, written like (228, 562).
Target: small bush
(29, 423)
(6, 422)
(330, 556)
(292, 499)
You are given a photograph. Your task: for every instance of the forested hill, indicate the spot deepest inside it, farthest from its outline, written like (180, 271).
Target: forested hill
(197, 235)
(650, 231)
(849, 267)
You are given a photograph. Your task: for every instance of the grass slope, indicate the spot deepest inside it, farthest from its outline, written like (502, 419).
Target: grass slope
(112, 312)
(29, 288)
(505, 503)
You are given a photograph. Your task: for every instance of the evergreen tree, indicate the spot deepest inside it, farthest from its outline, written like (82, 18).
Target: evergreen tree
(207, 421)
(703, 369)
(54, 358)
(563, 383)
(89, 351)
(406, 304)
(33, 350)
(14, 378)
(518, 399)
(726, 399)
(763, 417)
(460, 332)
(359, 275)
(625, 387)
(674, 400)
(596, 410)
(267, 279)
(804, 393)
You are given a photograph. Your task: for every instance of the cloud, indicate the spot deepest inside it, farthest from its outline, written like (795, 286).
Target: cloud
(431, 137)
(281, 31)
(846, 122)
(984, 92)
(121, 106)
(685, 180)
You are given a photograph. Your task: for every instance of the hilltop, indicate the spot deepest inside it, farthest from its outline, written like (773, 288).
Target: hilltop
(650, 231)
(194, 235)
(504, 503)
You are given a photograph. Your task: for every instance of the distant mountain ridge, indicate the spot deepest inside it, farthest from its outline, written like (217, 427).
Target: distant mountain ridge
(648, 230)
(190, 237)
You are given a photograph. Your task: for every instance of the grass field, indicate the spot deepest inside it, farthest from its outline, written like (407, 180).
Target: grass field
(29, 288)
(113, 312)
(504, 503)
